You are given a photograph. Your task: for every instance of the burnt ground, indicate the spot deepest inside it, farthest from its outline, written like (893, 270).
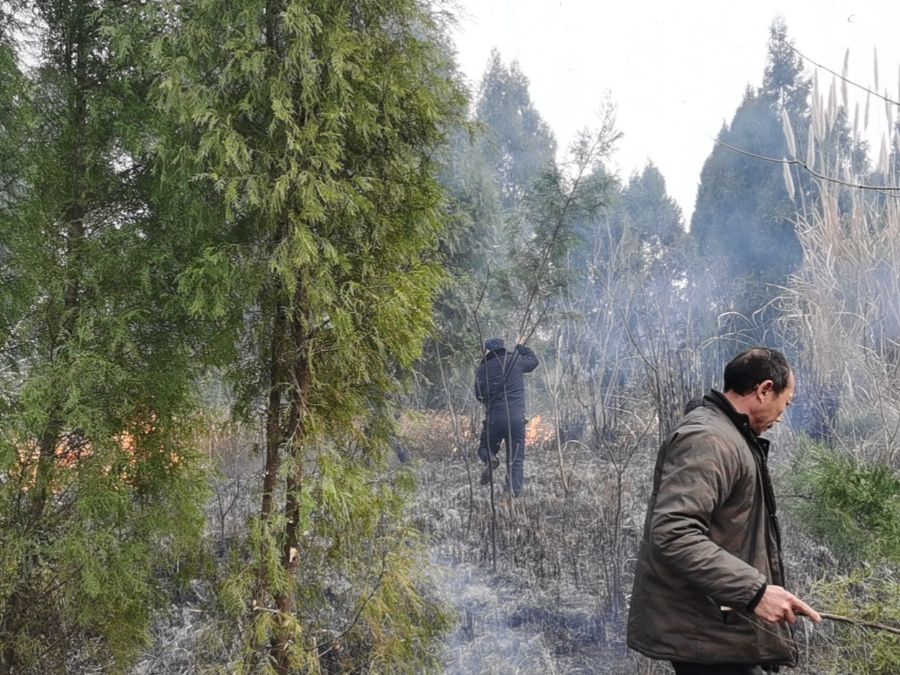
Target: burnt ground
(539, 584)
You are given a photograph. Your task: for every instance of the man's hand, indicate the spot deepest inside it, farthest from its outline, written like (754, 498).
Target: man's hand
(778, 606)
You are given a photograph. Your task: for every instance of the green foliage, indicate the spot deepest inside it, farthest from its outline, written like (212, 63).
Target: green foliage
(14, 117)
(473, 209)
(549, 226)
(470, 248)
(743, 208)
(489, 175)
(518, 144)
(744, 213)
(784, 83)
(360, 583)
(320, 146)
(100, 485)
(869, 595)
(854, 509)
(552, 209)
(641, 217)
(649, 208)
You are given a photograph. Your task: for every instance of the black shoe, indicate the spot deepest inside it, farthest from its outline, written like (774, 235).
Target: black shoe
(486, 474)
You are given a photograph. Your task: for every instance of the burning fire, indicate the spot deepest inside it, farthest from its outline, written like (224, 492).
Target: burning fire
(539, 431)
(70, 452)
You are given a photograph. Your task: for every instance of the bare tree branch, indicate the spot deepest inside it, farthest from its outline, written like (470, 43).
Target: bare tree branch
(872, 625)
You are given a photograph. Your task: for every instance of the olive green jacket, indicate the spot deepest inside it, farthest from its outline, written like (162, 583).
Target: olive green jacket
(711, 540)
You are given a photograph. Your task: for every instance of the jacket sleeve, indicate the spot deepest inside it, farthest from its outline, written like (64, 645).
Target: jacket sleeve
(527, 360)
(481, 383)
(698, 473)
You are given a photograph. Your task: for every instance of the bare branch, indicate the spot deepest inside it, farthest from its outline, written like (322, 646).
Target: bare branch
(872, 625)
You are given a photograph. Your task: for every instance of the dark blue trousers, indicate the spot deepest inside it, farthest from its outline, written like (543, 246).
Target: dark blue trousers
(511, 432)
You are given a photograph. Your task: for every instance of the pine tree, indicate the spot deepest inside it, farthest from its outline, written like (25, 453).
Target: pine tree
(318, 125)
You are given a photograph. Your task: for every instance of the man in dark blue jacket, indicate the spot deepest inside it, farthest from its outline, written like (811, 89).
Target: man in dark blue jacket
(500, 386)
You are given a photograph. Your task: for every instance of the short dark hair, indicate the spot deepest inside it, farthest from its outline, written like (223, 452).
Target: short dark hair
(752, 367)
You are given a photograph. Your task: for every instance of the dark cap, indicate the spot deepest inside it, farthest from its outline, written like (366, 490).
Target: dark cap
(494, 344)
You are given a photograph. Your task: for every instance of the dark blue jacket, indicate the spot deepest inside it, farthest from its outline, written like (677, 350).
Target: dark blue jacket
(499, 382)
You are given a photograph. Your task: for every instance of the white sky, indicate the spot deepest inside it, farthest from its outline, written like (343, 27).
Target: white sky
(675, 69)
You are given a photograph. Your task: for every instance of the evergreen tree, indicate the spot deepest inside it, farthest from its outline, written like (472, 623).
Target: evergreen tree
(13, 115)
(649, 206)
(99, 484)
(641, 215)
(743, 214)
(518, 142)
(318, 124)
(633, 272)
(785, 87)
(488, 177)
(743, 205)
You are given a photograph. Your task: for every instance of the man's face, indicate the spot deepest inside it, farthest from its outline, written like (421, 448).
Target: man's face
(769, 407)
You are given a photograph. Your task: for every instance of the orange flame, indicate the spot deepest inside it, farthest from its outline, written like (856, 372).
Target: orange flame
(539, 431)
(68, 455)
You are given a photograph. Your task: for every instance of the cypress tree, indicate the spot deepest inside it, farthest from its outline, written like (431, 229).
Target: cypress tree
(318, 124)
(518, 143)
(99, 482)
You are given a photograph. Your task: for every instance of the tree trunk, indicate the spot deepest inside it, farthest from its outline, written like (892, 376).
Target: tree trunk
(72, 220)
(273, 441)
(295, 437)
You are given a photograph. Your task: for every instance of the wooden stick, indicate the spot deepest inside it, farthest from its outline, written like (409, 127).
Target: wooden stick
(843, 619)
(857, 622)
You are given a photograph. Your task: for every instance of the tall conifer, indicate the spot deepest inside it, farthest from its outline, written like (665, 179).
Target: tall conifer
(98, 481)
(743, 216)
(517, 143)
(318, 123)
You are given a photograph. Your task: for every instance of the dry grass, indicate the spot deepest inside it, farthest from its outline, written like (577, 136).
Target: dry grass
(556, 600)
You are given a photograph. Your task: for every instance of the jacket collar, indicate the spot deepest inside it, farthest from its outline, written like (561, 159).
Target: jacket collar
(740, 420)
(496, 354)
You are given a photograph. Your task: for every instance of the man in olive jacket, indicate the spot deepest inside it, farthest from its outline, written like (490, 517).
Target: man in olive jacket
(708, 588)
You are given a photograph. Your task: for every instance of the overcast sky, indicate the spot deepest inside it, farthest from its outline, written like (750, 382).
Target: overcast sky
(675, 70)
